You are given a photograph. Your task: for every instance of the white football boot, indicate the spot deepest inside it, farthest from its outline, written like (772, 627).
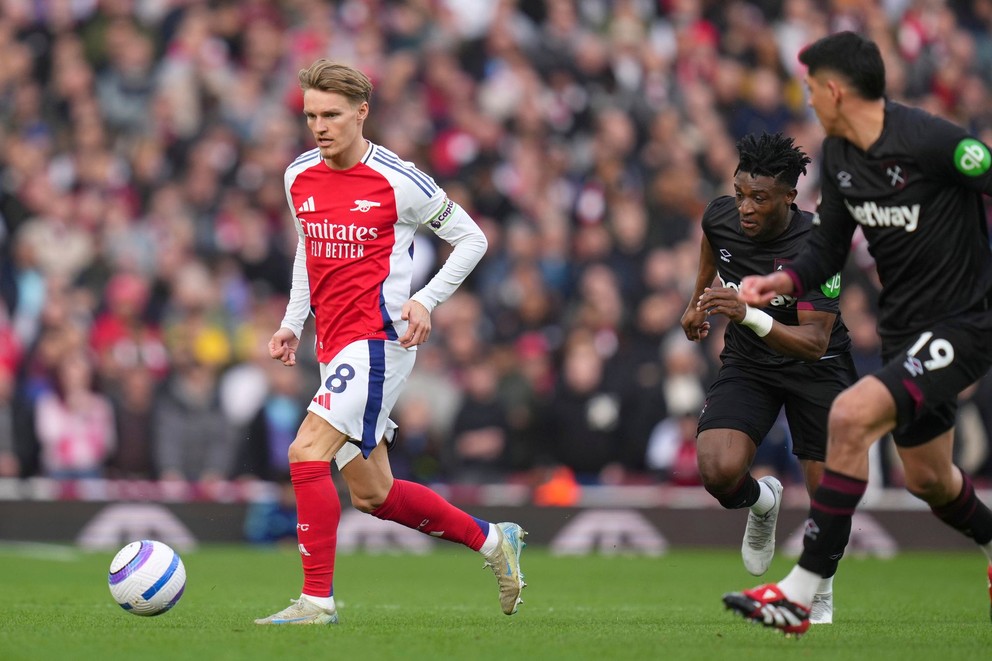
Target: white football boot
(758, 548)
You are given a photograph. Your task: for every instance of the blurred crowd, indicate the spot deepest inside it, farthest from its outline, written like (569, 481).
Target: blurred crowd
(146, 244)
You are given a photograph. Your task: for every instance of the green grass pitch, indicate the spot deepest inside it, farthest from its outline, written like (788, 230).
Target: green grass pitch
(55, 605)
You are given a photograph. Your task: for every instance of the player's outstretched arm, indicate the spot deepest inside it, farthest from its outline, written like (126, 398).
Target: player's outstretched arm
(759, 290)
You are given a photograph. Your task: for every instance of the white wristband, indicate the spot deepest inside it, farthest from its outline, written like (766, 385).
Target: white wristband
(758, 321)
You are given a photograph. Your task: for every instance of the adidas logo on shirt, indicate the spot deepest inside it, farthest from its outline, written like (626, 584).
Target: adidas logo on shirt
(306, 206)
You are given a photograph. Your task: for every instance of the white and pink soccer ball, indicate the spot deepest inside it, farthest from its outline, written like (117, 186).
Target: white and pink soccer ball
(147, 577)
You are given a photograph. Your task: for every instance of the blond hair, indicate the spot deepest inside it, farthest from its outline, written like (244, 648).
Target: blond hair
(328, 76)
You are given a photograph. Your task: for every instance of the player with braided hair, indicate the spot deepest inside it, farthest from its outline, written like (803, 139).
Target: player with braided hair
(794, 356)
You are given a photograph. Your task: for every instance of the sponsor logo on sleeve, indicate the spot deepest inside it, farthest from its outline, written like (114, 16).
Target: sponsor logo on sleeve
(972, 158)
(831, 288)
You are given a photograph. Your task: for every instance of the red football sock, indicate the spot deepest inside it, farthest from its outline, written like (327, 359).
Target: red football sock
(415, 506)
(318, 512)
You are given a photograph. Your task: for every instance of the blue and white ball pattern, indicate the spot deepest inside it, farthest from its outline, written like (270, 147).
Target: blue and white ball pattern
(147, 577)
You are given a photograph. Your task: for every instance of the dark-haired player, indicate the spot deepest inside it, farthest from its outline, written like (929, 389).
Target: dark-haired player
(795, 356)
(914, 184)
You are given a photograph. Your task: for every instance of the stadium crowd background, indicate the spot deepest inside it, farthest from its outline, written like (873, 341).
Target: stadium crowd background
(146, 245)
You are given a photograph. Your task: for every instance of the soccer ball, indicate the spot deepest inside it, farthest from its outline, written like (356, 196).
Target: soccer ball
(147, 578)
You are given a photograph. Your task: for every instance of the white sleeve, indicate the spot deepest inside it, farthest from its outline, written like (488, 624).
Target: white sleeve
(298, 308)
(452, 224)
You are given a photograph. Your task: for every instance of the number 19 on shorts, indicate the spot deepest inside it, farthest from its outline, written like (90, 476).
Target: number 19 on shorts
(941, 354)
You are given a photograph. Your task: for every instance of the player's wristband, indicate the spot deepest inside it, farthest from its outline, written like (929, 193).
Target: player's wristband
(758, 321)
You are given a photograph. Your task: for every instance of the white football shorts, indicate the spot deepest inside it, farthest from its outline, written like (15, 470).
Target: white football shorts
(358, 390)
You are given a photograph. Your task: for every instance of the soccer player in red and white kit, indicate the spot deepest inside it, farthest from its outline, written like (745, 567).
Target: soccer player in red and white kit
(356, 206)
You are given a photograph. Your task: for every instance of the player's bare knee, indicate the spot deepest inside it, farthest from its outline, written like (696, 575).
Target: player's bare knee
(927, 485)
(363, 504)
(305, 448)
(927, 490)
(368, 501)
(297, 452)
(368, 492)
(719, 478)
(847, 422)
(721, 460)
